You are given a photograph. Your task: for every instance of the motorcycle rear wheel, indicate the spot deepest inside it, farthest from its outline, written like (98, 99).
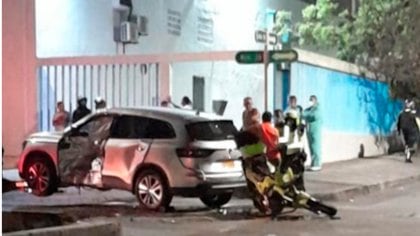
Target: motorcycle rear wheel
(277, 204)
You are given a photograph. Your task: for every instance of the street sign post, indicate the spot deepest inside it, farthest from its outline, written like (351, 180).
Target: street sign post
(261, 37)
(249, 57)
(266, 57)
(274, 56)
(279, 56)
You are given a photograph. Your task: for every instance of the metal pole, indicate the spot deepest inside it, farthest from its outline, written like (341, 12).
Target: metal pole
(265, 59)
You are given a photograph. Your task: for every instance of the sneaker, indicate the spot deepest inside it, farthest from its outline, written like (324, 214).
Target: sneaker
(408, 157)
(315, 168)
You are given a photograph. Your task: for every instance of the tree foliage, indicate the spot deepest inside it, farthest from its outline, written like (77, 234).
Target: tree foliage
(383, 36)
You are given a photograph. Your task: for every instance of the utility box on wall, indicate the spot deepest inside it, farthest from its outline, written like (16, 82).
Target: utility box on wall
(128, 32)
(128, 27)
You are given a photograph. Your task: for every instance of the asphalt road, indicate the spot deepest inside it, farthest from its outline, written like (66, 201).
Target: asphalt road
(393, 211)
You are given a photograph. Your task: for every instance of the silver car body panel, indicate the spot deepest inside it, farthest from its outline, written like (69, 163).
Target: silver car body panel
(53, 137)
(122, 157)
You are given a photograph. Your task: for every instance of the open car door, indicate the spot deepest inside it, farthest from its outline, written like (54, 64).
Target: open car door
(81, 149)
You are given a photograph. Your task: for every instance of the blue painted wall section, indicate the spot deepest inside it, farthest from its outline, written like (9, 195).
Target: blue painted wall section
(286, 87)
(349, 103)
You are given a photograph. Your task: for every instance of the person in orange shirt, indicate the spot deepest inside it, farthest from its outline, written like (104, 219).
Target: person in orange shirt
(267, 133)
(270, 137)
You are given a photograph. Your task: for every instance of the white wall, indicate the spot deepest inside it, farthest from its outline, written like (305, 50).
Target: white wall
(223, 81)
(85, 27)
(73, 28)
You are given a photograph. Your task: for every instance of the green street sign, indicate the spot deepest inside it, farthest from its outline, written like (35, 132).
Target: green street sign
(282, 56)
(255, 57)
(249, 57)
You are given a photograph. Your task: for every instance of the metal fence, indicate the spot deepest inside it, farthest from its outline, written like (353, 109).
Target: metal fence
(121, 85)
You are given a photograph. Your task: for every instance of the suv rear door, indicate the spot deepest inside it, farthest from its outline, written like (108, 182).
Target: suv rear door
(125, 149)
(130, 143)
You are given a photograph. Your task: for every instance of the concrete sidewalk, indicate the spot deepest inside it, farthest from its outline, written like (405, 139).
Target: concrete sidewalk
(346, 179)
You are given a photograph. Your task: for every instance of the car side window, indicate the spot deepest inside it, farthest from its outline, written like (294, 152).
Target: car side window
(126, 128)
(159, 129)
(97, 127)
(135, 127)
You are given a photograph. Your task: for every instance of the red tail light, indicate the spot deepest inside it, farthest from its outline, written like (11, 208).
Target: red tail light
(185, 152)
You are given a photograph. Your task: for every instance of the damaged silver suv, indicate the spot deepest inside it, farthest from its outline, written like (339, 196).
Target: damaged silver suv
(155, 153)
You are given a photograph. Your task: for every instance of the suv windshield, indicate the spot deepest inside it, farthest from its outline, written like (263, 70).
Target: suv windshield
(211, 130)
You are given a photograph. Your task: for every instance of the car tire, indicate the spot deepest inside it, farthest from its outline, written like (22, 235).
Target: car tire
(152, 191)
(41, 177)
(216, 200)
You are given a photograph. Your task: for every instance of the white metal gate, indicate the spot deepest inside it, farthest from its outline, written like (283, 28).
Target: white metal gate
(121, 85)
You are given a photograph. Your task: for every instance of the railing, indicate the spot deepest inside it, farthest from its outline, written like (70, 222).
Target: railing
(123, 80)
(120, 84)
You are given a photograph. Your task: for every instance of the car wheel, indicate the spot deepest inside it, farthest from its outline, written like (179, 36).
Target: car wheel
(40, 176)
(216, 200)
(152, 191)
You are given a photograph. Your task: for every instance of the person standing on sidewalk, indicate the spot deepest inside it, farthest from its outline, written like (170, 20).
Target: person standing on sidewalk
(294, 108)
(61, 118)
(248, 115)
(407, 124)
(81, 110)
(312, 116)
(186, 103)
(100, 103)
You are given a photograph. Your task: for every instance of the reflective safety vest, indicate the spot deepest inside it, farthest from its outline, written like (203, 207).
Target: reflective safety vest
(252, 150)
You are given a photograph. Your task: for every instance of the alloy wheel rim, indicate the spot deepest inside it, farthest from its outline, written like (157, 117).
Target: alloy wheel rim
(150, 191)
(39, 176)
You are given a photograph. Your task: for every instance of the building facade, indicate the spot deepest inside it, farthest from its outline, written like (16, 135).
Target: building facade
(57, 50)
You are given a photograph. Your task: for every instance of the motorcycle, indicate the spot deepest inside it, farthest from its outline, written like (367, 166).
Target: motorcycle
(272, 192)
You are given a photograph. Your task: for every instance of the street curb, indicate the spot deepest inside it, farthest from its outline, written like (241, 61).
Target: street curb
(361, 190)
(351, 192)
(85, 228)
